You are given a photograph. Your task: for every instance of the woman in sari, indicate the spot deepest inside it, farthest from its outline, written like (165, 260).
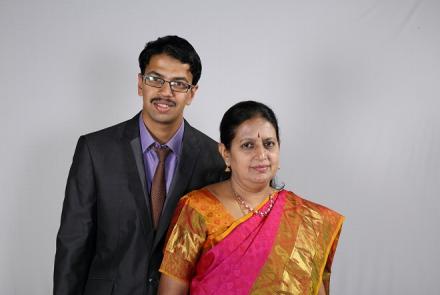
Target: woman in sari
(244, 235)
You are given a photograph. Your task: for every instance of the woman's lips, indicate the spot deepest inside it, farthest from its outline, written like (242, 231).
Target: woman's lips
(261, 168)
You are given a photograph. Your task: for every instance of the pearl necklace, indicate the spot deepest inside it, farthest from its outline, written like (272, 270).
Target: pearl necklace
(262, 213)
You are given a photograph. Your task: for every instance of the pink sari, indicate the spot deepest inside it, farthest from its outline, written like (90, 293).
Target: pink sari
(232, 266)
(289, 251)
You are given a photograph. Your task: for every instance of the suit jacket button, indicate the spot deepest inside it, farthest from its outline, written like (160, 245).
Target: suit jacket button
(150, 280)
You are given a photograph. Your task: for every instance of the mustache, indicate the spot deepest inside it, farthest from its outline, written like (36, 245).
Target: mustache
(162, 100)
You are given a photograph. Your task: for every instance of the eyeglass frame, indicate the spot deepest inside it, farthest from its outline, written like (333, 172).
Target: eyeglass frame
(145, 76)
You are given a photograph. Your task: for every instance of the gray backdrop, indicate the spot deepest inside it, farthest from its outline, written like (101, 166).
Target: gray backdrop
(355, 85)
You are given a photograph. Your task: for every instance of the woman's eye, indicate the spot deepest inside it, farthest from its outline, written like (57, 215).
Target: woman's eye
(269, 144)
(247, 145)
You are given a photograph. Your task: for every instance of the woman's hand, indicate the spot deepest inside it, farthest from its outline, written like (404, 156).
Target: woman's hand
(172, 286)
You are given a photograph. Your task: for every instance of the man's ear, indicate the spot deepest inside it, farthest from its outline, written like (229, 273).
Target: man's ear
(192, 94)
(140, 84)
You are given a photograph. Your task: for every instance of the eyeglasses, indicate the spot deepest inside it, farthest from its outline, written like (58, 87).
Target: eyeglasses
(178, 86)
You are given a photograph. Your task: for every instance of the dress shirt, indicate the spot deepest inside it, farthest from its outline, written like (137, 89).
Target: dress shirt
(150, 157)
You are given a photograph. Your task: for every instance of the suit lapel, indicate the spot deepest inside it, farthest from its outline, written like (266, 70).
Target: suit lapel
(137, 181)
(184, 171)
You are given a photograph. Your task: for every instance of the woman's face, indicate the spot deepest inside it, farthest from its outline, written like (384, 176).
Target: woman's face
(254, 153)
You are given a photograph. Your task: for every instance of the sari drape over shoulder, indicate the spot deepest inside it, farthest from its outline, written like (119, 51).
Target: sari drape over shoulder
(289, 251)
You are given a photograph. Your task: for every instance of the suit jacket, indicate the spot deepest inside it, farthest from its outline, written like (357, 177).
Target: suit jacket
(106, 243)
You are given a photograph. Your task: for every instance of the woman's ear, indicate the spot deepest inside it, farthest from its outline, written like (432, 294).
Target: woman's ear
(224, 153)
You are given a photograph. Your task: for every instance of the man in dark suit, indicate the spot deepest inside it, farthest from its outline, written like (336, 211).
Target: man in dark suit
(113, 226)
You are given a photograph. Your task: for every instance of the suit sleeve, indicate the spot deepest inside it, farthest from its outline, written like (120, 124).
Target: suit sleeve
(76, 237)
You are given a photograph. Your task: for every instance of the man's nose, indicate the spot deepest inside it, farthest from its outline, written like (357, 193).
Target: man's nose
(166, 90)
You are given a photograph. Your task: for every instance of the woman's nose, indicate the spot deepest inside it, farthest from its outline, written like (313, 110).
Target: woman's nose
(261, 152)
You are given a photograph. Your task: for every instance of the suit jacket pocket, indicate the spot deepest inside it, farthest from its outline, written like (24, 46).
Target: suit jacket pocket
(98, 287)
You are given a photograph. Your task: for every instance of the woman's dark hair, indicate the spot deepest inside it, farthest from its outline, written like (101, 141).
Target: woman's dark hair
(241, 112)
(175, 47)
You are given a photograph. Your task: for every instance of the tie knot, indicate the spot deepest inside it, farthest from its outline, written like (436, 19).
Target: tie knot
(162, 152)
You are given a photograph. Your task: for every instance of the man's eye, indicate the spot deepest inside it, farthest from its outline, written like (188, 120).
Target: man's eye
(180, 85)
(154, 79)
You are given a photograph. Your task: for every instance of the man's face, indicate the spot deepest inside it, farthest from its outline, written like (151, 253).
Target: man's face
(162, 106)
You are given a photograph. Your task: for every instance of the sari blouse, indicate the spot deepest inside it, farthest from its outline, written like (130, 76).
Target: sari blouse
(290, 251)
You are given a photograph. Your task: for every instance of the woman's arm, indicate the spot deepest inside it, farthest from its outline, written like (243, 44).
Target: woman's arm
(321, 289)
(172, 286)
